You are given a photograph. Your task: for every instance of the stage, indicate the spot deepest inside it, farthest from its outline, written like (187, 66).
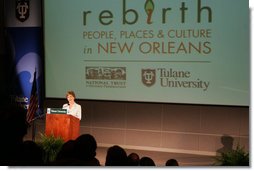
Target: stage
(160, 158)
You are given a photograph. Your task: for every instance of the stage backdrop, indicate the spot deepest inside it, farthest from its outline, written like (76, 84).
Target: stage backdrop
(176, 51)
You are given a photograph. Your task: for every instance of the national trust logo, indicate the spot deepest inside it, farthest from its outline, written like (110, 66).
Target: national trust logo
(148, 77)
(106, 77)
(105, 73)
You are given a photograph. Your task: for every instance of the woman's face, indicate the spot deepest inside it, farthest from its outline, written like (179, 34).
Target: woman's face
(70, 98)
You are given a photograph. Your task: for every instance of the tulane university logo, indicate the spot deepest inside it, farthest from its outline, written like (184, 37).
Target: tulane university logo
(22, 10)
(148, 77)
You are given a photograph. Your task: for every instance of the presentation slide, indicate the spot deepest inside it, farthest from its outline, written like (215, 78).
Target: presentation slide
(177, 51)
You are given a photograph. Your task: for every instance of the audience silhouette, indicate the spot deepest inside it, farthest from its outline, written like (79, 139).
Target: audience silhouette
(13, 128)
(116, 156)
(66, 154)
(172, 162)
(146, 161)
(133, 159)
(32, 154)
(79, 152)
(85, 150)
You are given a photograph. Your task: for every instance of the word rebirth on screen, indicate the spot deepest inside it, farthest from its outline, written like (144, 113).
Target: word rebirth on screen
(106, 17)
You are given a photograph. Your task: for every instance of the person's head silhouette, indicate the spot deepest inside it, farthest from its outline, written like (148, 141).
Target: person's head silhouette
(116, 156)
(133, 159)
(146, 161)
(172, 162)
(85, 147)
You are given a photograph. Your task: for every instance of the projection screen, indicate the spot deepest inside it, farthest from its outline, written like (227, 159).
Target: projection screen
(177, 51)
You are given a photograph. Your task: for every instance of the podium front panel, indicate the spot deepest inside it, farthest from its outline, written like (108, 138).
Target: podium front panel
(62, 125)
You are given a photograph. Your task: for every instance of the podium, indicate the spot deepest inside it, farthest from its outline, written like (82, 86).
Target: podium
(62, 125)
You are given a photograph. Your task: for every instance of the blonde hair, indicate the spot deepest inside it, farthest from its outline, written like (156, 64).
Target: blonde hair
(70, 93)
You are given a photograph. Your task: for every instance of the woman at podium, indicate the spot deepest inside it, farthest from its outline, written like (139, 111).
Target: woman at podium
(72, 107)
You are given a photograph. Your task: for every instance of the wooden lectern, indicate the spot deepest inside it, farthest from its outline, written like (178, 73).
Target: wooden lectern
(62, 125)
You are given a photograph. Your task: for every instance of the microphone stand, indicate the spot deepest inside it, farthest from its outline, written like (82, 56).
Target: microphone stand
(34, 126)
